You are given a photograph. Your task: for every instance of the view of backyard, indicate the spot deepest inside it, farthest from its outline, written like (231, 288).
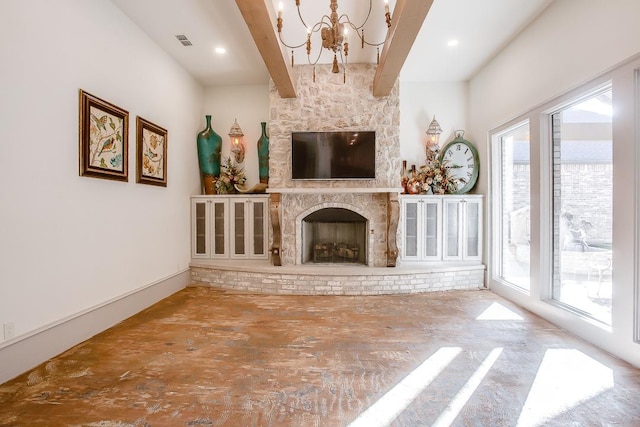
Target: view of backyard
(582, 206)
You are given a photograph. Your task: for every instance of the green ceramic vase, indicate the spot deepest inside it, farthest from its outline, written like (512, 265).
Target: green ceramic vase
(263, 155)
(209, 153)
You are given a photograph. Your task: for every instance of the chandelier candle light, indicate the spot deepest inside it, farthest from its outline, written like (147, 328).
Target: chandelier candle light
(334, 32)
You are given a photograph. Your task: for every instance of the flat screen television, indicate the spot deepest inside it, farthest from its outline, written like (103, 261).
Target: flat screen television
(333, 155)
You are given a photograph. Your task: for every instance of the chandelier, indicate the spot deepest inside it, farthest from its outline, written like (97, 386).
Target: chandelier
(334, 31)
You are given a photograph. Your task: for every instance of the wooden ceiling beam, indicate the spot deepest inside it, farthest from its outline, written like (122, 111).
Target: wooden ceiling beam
(260, 18)
(408, 16)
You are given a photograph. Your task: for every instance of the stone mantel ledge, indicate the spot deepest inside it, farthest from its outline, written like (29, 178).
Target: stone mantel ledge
(333, 190)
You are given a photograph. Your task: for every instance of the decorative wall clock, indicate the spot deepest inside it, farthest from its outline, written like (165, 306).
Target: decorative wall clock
(462, 158)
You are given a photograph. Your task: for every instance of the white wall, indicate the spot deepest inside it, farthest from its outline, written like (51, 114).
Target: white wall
(419, 102)
(250, 106)
(571, 43)
(68, 243)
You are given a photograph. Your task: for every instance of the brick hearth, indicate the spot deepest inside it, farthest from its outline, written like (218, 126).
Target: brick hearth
(336, 279)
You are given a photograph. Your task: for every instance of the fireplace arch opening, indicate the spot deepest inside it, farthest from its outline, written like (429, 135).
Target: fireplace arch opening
(334, 235)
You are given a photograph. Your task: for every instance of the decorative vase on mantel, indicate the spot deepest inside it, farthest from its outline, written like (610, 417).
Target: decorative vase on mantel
(414, 186)
(404, 177)
(209, 156)
(263, 155)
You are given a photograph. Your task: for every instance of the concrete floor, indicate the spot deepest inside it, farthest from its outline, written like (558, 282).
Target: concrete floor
(213, 358)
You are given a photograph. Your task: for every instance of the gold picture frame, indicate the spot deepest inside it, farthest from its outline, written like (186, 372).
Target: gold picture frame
(104, 139)
(151, 149)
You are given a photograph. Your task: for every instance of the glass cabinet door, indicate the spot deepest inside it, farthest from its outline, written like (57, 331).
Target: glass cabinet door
(238, 213)
(452, 230)
(431, 229)
(219, 240)
(472, 229)
(259, 232)
(410, 228)
(200, 230)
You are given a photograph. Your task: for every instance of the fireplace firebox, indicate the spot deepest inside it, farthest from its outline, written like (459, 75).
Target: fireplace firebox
(334, 235)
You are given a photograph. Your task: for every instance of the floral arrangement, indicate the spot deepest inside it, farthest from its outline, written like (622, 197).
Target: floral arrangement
(437, 178)
(230, 175)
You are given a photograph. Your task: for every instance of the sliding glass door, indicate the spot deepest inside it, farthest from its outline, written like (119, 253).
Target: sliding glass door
(582, 150)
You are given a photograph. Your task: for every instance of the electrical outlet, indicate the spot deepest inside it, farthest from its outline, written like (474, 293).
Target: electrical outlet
(9, 330)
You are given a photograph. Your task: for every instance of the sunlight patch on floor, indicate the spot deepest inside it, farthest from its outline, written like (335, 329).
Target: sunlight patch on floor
(497, 311)
(566, 378)
(452, 410)
(389, 406)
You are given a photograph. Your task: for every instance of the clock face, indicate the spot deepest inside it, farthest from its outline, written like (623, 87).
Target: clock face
(462, 159)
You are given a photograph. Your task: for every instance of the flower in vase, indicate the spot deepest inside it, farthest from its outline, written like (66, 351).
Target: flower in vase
(230, 175)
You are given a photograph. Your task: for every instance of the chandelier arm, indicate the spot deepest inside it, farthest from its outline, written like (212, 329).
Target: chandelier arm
(317, 58)
(300, 16)
(376, 44)
(366, 42)
(290, 46)
(356, 30)
(318, 25)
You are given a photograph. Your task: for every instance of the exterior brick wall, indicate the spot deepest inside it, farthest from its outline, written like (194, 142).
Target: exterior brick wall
(577, 181)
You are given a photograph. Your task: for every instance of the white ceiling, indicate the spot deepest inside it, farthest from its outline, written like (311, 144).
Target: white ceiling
(483, 28)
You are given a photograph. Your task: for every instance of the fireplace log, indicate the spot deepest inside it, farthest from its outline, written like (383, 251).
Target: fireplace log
(332, 252)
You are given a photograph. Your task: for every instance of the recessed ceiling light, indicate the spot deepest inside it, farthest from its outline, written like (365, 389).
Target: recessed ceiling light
(220, 50)
(453, 43)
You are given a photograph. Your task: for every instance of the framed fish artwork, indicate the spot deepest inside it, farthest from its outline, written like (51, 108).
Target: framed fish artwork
(151, 149)
(104, 138)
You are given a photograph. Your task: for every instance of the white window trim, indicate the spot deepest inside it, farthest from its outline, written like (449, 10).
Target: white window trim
(496, 202)
(636, 285)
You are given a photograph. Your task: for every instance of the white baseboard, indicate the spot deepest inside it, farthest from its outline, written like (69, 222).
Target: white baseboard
(27, 351)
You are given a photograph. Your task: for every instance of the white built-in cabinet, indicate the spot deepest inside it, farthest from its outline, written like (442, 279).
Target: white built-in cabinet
(229, 227)
(441, 228)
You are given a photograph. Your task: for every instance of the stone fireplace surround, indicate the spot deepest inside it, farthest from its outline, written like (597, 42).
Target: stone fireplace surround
(329, 105)
(374, 204)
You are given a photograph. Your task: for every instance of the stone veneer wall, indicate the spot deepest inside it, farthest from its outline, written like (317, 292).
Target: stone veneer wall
(331, 105)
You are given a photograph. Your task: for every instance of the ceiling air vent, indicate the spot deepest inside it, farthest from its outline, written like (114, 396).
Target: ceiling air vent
(184, 40)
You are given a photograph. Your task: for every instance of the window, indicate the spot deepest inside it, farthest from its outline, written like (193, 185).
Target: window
(582, 150)
(512, 192)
